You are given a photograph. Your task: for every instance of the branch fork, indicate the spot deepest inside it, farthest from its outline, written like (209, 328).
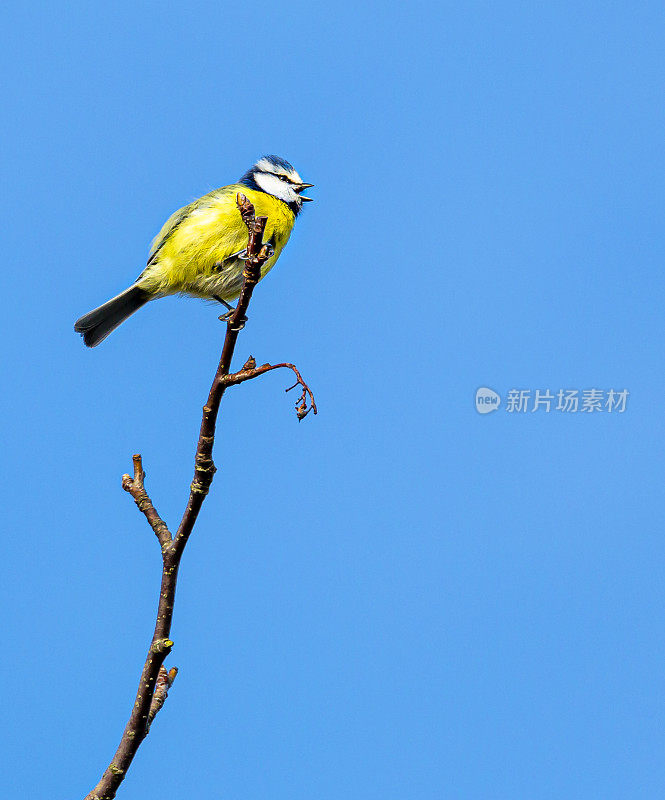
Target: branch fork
(156, 680)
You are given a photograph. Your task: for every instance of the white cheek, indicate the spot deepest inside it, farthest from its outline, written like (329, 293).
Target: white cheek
(274, 186)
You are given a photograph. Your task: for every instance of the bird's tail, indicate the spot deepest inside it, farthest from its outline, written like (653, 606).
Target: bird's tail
(96, 325)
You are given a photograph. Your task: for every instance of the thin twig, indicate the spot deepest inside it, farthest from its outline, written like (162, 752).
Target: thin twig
(250, 370)
(136, 488)
(155, 680)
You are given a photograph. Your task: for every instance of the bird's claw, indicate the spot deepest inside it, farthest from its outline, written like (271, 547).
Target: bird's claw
(227, 318)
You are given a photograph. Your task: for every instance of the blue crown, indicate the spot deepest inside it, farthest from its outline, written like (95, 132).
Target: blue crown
(276, 161)
(248, 179)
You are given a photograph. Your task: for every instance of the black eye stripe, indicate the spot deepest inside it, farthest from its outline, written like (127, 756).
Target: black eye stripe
(281, 177)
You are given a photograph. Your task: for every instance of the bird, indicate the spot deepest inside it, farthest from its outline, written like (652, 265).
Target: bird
(201, 249)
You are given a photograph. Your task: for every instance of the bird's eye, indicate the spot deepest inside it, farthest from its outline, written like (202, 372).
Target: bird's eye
(282, 177)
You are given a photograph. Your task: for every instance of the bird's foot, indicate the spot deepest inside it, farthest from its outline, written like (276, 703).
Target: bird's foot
(227, 318)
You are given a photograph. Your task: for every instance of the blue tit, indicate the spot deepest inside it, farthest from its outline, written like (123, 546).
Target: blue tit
(200, 250)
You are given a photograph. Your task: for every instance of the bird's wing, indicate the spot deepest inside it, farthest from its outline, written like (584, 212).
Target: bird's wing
(169, 226)
(175, 220)
(178, 217)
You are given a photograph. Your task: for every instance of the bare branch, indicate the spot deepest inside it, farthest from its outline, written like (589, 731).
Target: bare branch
(250, 370)
(155, 679)
(204, 467)
(135, 487)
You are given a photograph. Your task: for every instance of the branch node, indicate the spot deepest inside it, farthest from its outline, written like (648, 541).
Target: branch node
(160, 646)
(162, 685)
(199, 488)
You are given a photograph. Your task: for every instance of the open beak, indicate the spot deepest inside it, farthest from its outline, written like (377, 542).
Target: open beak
(301, 188)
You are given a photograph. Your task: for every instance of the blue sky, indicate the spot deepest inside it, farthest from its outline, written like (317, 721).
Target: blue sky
(399, 598)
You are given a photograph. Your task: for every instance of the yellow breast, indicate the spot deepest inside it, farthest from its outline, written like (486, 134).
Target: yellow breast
(193, 252)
